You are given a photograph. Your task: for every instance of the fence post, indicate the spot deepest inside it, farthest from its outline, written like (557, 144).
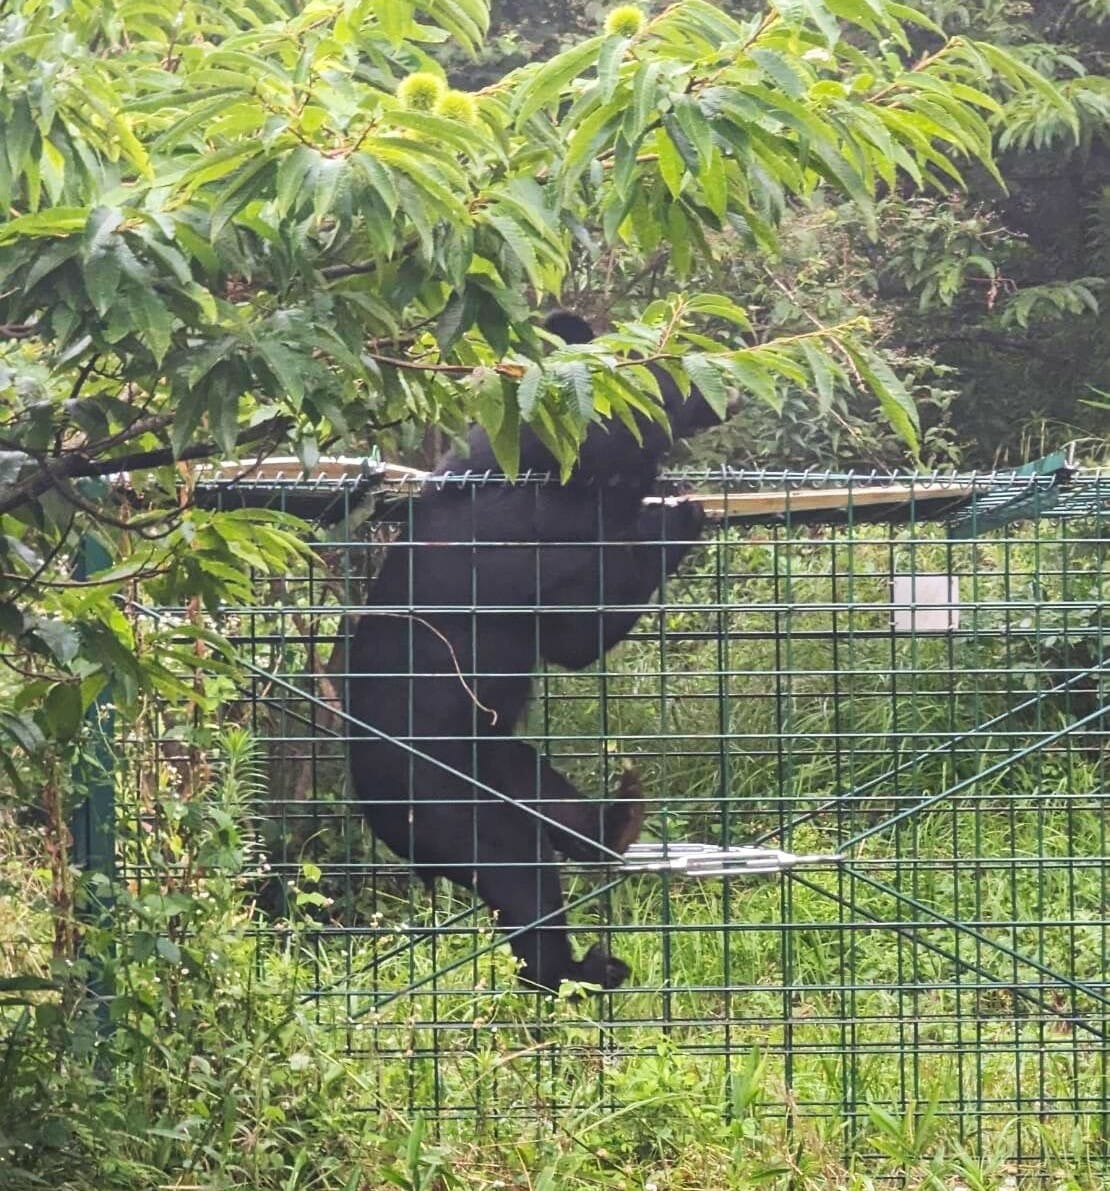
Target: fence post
(93, 820)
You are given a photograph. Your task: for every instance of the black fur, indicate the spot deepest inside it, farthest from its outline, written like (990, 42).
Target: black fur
(464, 608)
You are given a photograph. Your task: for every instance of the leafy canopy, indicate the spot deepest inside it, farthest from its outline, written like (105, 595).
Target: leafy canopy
(229, 231)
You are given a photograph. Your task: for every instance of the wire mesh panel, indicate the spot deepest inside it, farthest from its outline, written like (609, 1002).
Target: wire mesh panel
(913, 699)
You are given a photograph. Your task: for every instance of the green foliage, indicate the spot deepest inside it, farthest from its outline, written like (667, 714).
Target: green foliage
(948, 313)
(236, 227)
(230, 230)
(200, 1064)
(1024, 369)
(1054, 300)
(252, 208)
(77, 643)
(243, 1053)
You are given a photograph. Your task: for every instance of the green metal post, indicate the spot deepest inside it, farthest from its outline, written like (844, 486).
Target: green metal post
(93, 822)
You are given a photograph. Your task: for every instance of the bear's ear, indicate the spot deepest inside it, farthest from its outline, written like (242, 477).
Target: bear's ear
(571, 328)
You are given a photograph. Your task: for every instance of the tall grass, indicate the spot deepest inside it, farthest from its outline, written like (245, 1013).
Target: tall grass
(946, 986)
(927, 1014)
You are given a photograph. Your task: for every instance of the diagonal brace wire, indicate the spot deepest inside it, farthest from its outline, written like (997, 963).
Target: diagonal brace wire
(863, 792)
(997, 767)
(361, 725)
(1024, 994)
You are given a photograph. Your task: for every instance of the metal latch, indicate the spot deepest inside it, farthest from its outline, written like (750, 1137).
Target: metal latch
(709, 860)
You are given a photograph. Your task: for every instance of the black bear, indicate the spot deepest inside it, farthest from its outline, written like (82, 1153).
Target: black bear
(488, 580)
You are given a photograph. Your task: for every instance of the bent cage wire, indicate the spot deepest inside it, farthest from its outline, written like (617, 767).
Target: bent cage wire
(869, 720)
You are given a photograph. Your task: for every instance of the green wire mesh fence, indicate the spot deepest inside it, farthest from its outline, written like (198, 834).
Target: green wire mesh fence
(871, 717)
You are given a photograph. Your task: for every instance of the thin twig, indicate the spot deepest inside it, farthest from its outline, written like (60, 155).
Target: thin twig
(920, 65)
(29, 581)
(74, 584)
(82, 376)
(67, 492)
(825, 330)
(450, 649)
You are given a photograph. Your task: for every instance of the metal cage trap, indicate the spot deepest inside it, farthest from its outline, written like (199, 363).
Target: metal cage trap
(891, 692)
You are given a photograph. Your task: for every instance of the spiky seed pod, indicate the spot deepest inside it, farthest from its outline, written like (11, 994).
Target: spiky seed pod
(625, 21)
(421, 91)
(458, 105)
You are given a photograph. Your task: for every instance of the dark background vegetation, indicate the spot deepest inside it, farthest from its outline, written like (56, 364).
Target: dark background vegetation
(987, 296)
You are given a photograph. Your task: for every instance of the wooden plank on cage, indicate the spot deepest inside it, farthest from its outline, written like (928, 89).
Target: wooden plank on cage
(783, 501)
(780, 502)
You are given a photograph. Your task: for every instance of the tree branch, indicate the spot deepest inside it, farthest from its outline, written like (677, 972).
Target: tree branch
(82, 376)
(513, 370)
(132, 430)
(67, 492)
(334, 272)
(70, 466)
(18, 330)
(159, 457)
(75, 467)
